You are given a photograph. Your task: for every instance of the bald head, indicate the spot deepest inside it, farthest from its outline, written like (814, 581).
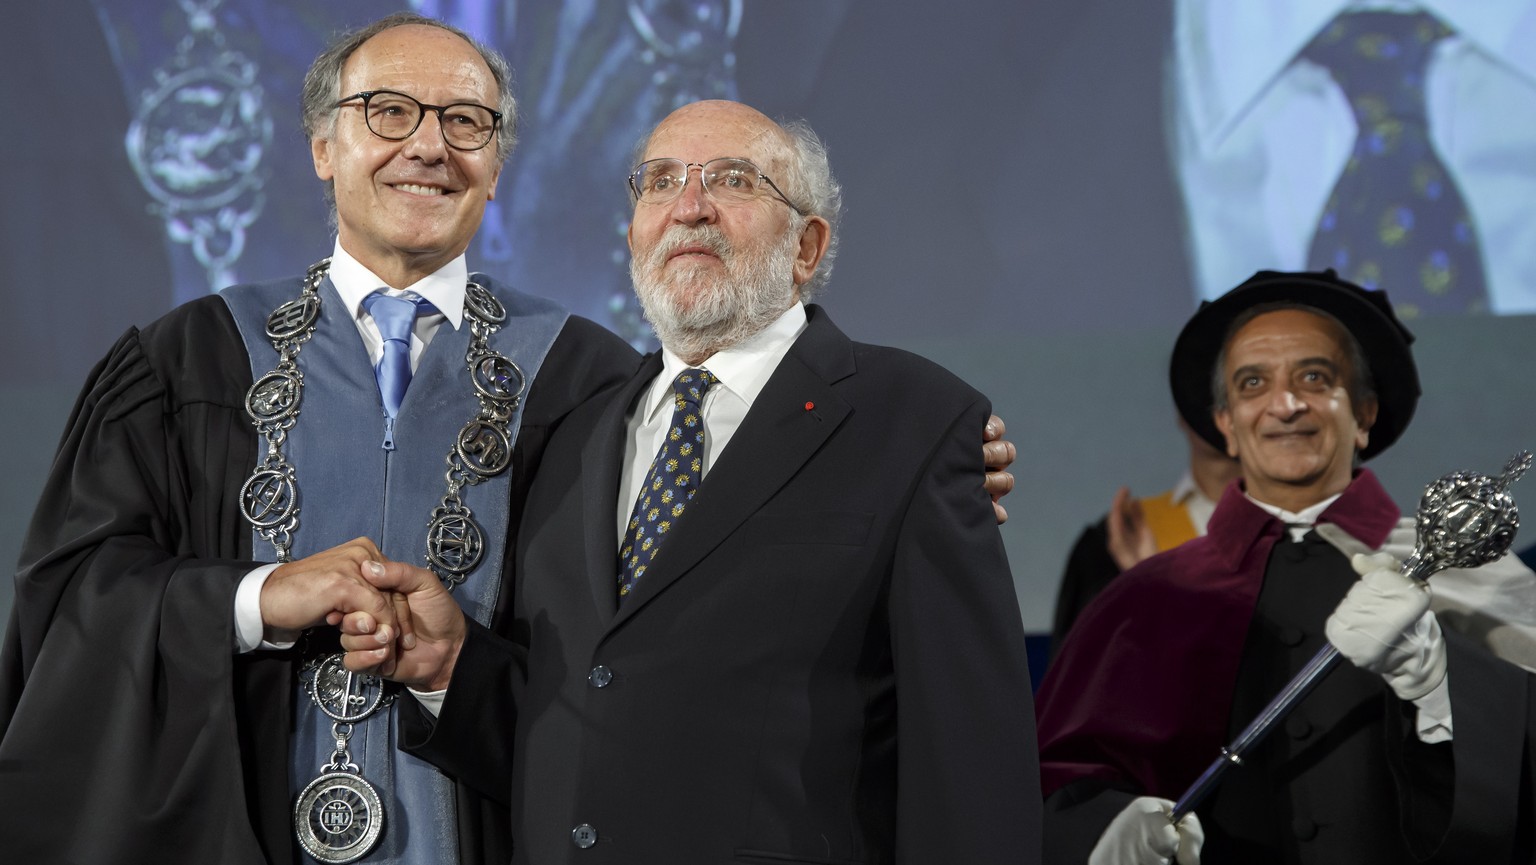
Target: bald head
(718, 123)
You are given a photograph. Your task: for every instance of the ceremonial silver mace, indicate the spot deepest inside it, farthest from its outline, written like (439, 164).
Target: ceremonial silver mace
(1464, 520)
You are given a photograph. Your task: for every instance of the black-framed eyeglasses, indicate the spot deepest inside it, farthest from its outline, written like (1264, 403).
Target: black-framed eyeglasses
(395, 116)
(727, 179)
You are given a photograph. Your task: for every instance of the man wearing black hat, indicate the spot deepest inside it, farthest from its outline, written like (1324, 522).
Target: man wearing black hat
(1415, 749)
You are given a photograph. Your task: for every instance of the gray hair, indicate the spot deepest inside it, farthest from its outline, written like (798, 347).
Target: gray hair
(1360, 386)
(322, 84)
(809, 184)
(815, 191)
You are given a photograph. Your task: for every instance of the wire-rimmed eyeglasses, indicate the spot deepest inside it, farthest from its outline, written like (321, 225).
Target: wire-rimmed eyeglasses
(727, 179)
(395, 116)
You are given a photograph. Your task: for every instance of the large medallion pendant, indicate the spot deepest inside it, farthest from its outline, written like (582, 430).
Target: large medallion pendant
(338, 817)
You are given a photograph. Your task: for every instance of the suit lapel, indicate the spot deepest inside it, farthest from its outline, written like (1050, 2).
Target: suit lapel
(602, 459)
(777, 437)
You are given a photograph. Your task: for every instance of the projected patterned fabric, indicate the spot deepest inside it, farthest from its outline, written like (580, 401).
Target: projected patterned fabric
(1396, 219)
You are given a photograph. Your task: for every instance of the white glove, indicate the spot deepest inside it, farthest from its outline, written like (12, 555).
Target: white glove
(1384, 625)
(1144, 834)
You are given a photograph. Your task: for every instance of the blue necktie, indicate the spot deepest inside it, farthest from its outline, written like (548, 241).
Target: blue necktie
(395, 317)
(672, 481)
(1395, 218)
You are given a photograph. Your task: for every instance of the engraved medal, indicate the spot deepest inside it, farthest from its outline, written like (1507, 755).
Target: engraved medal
(342, 694)
(485, 448)
(497, 377)
(338, 817)
(269, 498)
(479, 302)
(455, 543)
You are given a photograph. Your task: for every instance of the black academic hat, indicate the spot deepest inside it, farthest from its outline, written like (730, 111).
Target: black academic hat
(1366, 314)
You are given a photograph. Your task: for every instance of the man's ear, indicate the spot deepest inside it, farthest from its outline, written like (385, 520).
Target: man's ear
(1365, 418)
(495, 179)
(320, 152)
(1223, 418)
(814, 239)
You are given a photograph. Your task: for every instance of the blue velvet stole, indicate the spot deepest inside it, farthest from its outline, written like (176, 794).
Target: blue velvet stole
(349, 486)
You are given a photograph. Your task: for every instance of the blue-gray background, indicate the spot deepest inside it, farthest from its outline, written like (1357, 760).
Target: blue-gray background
(1010, 207)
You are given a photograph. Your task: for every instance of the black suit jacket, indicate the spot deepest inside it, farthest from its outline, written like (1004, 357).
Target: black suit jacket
(824, 664)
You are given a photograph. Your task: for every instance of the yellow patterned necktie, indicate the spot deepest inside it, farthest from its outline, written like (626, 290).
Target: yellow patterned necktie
(671, 483)
(1395, 219)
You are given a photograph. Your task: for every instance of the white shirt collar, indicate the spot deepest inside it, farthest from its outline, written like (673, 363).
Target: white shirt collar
(1229, 53)
(1305, 517)
(444, 288)
(1185, 488)
(742, 369)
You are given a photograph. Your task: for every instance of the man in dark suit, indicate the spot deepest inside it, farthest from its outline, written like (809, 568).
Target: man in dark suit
(793, 635)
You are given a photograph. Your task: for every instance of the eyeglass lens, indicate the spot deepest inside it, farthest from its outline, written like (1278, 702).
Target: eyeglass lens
(661, 180)
(395, 116)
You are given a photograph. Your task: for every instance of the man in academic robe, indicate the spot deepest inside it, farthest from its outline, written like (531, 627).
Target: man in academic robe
(155, 701)
(792, 635)
(1415, 750)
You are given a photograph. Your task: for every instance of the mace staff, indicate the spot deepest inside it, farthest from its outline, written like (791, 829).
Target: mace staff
(1464, 520)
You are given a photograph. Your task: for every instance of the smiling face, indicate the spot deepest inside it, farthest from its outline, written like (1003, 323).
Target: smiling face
(1289, 418)
(406, 208)
(710, 274)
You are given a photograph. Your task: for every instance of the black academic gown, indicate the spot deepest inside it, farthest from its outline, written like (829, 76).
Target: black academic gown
(130, 731)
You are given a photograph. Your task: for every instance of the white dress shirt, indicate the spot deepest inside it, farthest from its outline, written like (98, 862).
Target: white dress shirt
(742, 371)
(1260, 136)
(445, 289)
(1186, 493)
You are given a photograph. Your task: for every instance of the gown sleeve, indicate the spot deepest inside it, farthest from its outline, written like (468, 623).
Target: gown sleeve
(121, 698)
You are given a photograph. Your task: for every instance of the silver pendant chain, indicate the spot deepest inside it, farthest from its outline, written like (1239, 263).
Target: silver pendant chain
(339, 817)
(483, 448)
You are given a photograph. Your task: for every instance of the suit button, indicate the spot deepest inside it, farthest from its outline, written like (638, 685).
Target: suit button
(584, 836)
(600, 676)
(1304, 829)
(1291, 636)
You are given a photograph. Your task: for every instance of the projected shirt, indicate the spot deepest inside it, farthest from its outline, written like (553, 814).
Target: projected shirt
(1260, 136)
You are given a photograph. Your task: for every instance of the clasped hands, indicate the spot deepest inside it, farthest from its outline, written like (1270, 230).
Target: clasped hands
(396, 620)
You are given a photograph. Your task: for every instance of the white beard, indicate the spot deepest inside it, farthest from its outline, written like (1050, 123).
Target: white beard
(696, 314)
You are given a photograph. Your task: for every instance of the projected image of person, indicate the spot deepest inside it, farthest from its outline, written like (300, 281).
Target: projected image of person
(1391, 142)
(1418, 745)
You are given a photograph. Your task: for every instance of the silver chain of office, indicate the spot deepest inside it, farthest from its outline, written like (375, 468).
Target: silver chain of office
(339, 817)
(483, 448)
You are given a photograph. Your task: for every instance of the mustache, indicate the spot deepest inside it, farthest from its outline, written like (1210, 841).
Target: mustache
(677, 237)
